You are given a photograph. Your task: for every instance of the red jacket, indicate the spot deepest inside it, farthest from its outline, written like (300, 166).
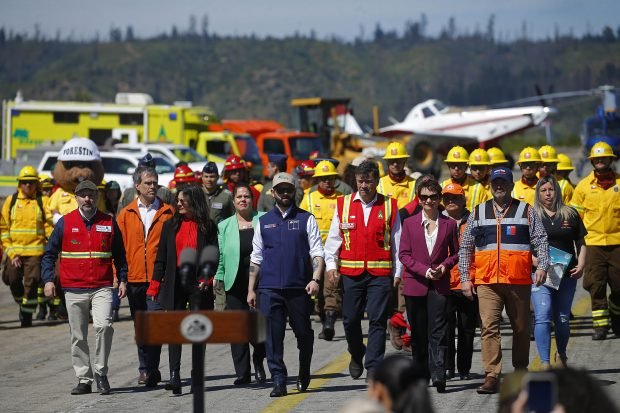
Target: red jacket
(86, 256)
(141, 254)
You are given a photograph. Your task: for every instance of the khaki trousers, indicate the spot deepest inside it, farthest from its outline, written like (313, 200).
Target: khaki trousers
(492, 298)
(79, 305)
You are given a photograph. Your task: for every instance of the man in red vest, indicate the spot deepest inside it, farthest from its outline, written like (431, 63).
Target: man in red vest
(88, 242)
(362, 245)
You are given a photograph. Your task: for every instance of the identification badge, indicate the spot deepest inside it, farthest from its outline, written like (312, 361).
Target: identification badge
(75, 230)
(267, 226)
(103, 228)
(293, 225)
(217, 205)
(347, 225)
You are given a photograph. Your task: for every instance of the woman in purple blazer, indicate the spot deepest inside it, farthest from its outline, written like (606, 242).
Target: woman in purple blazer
(428, 250)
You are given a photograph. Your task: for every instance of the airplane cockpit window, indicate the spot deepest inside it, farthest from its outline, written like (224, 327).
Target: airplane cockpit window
(439, 106)
(427, 112)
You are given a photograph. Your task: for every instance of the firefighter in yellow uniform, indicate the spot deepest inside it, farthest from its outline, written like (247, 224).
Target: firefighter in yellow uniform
(565, 166)
(397, 184)
(597, 199)
(497, 157)
(458, 160)
(480, 168)
(525, 188)
(322, 204)
(24, 229)
(549, 166)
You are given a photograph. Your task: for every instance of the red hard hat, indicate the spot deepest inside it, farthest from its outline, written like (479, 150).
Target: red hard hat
(306, 168)
(184, 173)
(233, 162)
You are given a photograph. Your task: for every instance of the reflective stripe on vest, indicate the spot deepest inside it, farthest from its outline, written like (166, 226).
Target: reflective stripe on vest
(345, 218)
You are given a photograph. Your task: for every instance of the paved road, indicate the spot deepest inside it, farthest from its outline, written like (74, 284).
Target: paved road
(37, 375)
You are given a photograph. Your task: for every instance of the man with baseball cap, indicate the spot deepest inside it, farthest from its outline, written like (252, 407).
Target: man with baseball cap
(286, 266)
(276, 164)
(498, 238)
(88, 242)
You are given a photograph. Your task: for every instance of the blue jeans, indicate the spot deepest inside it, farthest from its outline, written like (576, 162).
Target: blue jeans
(552, 305)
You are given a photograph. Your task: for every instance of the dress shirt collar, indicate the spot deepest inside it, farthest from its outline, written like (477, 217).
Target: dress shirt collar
(357, 197)
(154, 204)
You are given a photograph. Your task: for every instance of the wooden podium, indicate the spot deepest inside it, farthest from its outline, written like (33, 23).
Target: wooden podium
(198, 328)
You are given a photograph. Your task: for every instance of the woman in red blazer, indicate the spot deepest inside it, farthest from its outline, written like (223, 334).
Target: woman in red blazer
(428, 250)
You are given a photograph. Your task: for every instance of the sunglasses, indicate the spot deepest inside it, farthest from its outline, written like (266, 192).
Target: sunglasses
(284, 189)
(434, 197)
(529, 165)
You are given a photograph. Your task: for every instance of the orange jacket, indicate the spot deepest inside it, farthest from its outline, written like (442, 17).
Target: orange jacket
(140, 252)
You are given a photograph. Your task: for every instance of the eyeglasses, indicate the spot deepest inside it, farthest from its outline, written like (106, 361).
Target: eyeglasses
(478, 167)
(528, 165)
(327, 179)
(457, 165)
(447, 199)
(27, 182)
(434, 197)
(284, 189)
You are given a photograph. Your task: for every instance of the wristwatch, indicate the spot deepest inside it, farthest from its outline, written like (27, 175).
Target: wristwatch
(316, 280)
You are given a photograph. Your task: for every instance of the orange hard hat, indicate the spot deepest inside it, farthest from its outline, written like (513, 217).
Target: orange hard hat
(233, 162)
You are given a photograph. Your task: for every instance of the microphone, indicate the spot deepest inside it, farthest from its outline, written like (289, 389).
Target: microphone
(209, 259)
(187, 269)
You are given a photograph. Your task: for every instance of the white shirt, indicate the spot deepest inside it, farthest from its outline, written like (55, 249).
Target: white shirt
(334, 241)
(147, 213)
(314, 240)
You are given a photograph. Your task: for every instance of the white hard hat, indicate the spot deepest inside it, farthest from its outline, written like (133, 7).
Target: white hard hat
(79, 149)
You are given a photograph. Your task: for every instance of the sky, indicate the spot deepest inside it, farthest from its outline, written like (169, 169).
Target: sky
(346, 19)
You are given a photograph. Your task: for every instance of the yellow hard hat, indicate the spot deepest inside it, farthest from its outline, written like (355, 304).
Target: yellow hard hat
(102, 184)
(496, 156)
(28, 173)
(479, 157)
(601, 150)
(46, 181)
(325, 168)
(564, 163)
(529, 154)
(457, 154)
(395, 150)
(548, 154)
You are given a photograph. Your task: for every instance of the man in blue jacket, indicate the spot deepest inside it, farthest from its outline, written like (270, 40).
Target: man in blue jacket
(287, 261)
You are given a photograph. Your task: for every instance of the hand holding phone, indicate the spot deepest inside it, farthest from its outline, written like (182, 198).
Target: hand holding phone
(542, 392)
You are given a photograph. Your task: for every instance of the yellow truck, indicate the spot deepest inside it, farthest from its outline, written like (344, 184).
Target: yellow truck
(132, 118)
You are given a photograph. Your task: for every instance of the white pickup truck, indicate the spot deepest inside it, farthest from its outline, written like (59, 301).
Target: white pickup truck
(118, 166)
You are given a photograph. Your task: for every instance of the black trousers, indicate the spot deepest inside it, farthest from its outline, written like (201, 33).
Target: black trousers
(236, 300)
(136, 295)
(462, 316)
(428, 319)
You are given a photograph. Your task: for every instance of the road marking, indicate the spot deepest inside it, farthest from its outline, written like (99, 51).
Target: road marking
(287, 403)
(580, 308)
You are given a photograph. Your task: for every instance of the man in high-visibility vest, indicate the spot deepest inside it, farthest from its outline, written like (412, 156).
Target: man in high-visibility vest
(525, 188)
(25, 227)
(322, 204)
(480, 167)
(458, 160)
(497, 157)
(397, 184)
(597, 199)
(549, 166)
(564, 168)
(362, 245)
(498, 238)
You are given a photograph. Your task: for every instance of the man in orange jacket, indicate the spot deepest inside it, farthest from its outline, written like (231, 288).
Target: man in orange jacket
(141, 223)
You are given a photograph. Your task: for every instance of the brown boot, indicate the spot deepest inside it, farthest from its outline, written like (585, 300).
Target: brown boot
(489, 386)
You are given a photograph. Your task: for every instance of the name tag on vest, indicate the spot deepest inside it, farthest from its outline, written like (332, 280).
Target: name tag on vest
(293, 225)
(269, 226)
(347, 225)
(75, 230)
(217, 205)
(103, 228)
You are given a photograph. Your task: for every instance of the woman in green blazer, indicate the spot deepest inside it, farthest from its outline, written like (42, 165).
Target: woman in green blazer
(235, 240)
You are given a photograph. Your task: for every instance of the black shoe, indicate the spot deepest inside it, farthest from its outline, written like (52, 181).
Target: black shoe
(52, 316)
(25, 319)
(328, 325)
(103, 387)
(449, 374)
(82, 388)
(115, 316)
(440, 385)
(279, 390)
(152, 379)
(259, 372)
(599, 334)
(240, 381)
(42, 312)
(356, 368)
(465, 376)
(174, 383)
(303, 381)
